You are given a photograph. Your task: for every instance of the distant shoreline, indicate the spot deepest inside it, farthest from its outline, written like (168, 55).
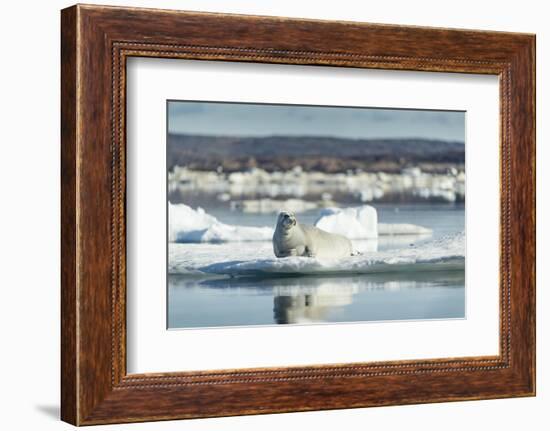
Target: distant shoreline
(312, 153)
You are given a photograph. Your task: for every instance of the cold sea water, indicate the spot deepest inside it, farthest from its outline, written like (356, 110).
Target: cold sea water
(392, 292)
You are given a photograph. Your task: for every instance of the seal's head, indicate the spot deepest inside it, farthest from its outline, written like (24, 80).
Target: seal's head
(286, 220)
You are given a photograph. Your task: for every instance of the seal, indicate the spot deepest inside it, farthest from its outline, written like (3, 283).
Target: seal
(294, 239)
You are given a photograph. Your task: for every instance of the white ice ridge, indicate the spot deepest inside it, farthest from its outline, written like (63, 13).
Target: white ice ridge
(443, 254)
(353, 223)
(362, 223)
(188, 225)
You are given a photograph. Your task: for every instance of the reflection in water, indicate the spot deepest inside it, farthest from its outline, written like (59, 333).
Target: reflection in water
(308, 299)
(306, 308)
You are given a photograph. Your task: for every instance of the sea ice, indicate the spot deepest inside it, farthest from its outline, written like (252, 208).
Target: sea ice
(188, 225)
(443, 254)
(353, 223)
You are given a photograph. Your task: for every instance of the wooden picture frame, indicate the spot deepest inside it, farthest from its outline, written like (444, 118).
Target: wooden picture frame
(95, 43)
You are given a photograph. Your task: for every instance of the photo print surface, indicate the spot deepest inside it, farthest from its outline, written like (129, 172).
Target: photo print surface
(296, 214)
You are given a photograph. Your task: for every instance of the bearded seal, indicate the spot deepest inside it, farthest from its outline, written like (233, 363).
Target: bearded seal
(294, 239)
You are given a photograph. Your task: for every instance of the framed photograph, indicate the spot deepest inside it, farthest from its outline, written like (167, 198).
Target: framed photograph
(263, 214)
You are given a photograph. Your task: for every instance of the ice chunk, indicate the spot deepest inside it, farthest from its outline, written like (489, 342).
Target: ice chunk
(353, 223)
(195, 225)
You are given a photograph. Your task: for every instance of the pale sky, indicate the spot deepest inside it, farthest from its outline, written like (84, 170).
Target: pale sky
(246, 119)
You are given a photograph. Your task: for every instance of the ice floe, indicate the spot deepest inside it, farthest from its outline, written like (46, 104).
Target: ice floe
(353, 223)
(443, 254)
(188, 225)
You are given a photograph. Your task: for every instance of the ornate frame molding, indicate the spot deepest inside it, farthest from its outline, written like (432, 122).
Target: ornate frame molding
(96, 41)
